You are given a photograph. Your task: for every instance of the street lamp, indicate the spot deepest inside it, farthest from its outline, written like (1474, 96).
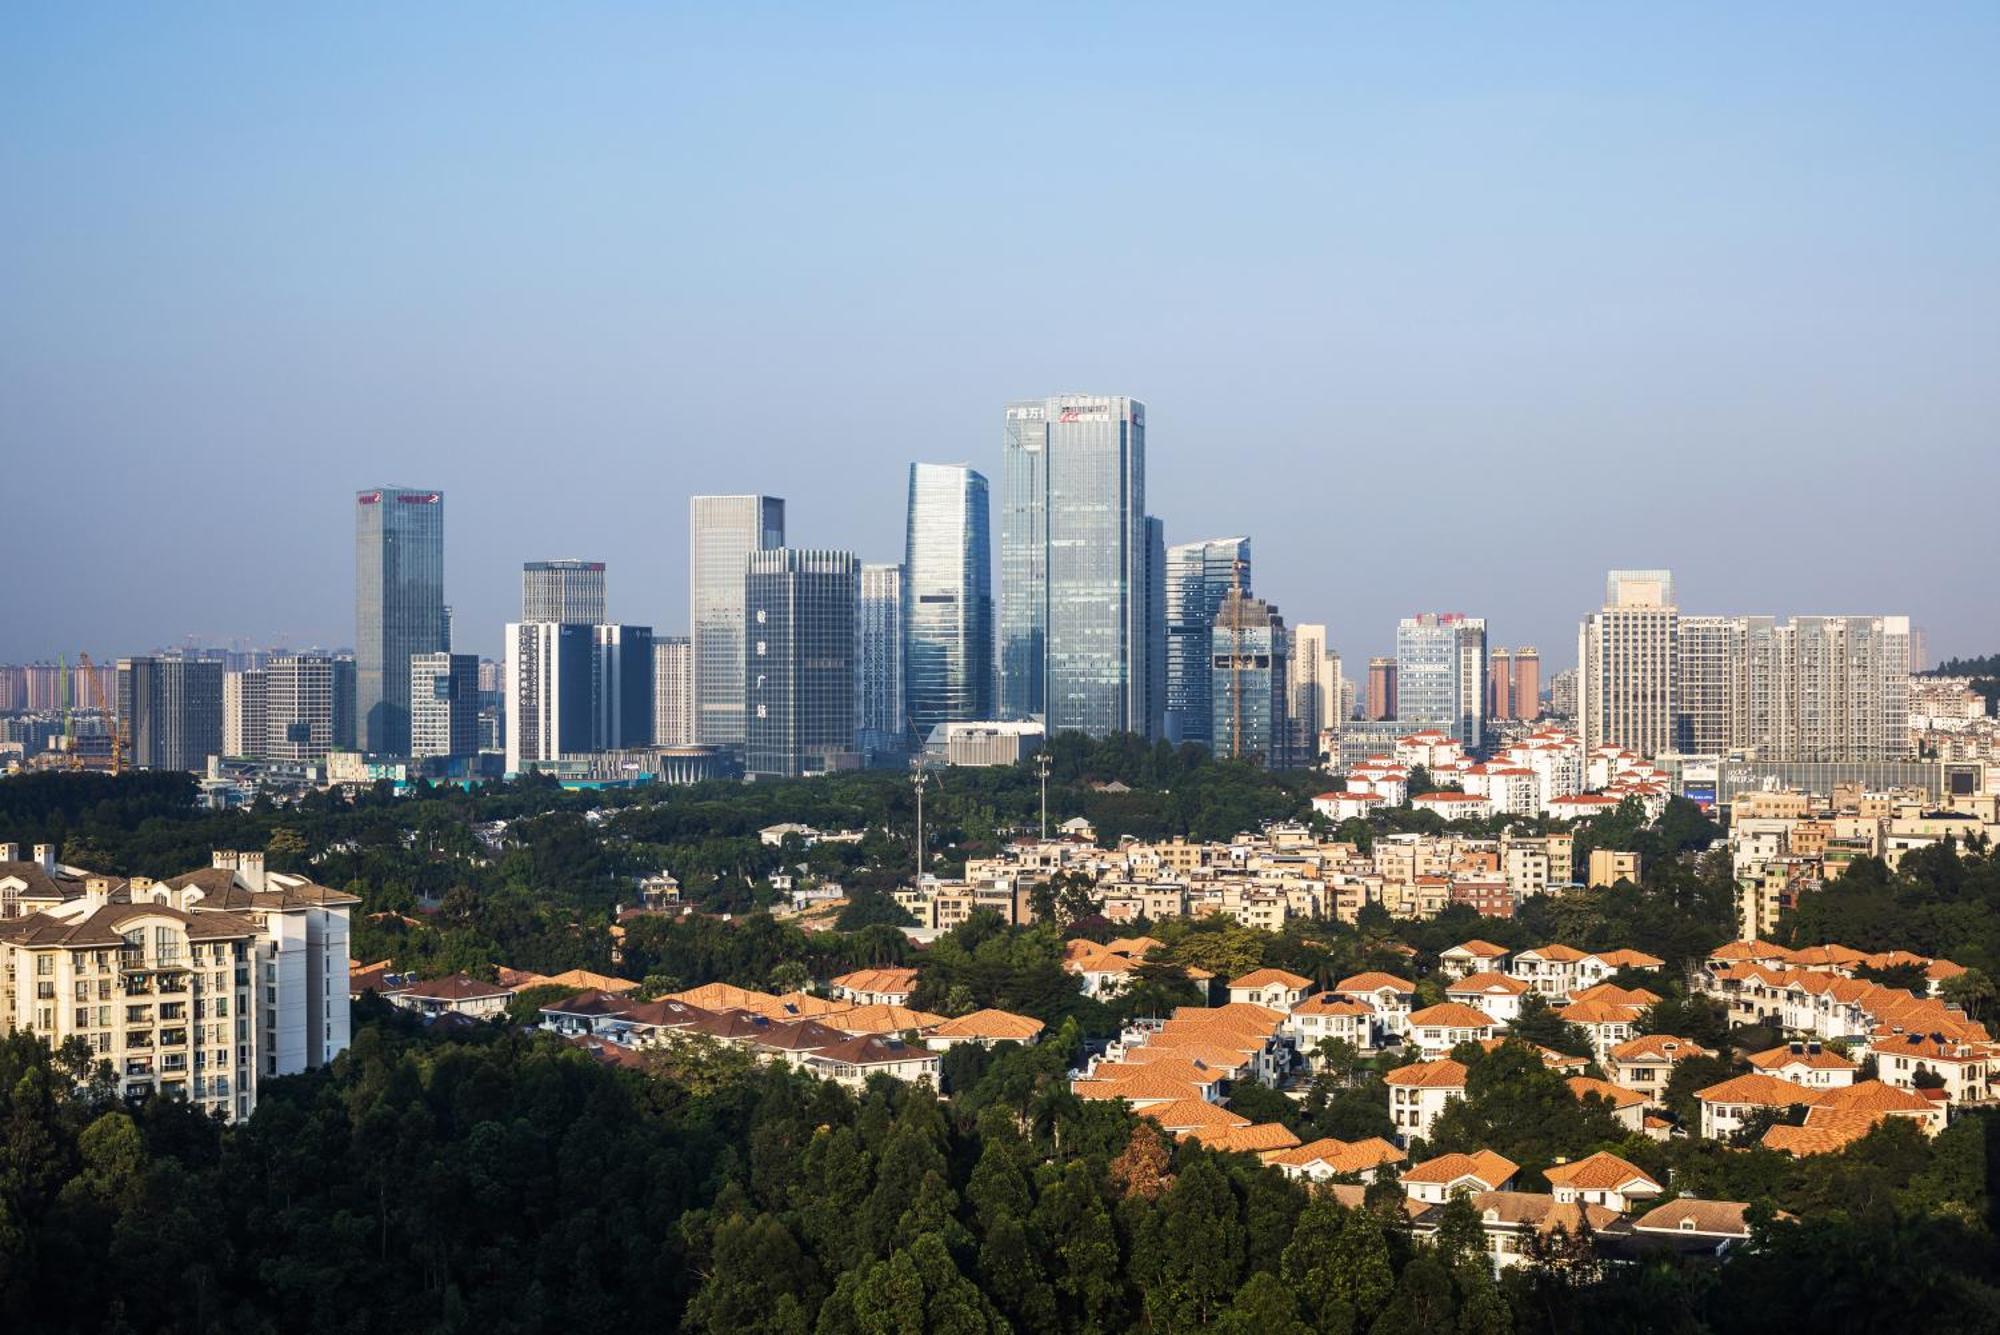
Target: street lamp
(1042, 764)
(918, 776)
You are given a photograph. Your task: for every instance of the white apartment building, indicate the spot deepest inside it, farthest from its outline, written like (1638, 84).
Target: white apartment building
(196, 987)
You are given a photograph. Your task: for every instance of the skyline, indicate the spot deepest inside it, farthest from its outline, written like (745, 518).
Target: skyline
(1519, 275)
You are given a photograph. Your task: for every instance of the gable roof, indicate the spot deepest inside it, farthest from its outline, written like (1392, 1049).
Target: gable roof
(1619, 1097)
(1690, 1214)
(1601, 1171)
(990, 1023)
(1485, 1167)
(1265, 977)
(1443, 1073)
(1374, 981)
(1452, 1015)
(1657, 1047)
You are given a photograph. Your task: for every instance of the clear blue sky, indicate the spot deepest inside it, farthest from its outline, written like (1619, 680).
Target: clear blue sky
(1446, 306)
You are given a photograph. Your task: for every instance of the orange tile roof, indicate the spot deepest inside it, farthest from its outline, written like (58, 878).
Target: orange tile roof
(1373, 981)
(1489, 983)
(1265, 977)
(1557, 952)
(1443, 1073)
(1597, 1012)
(1616, 995)
(1262, 1136)
(1451, 1015)
(1825, 1135)
(990, 1023)
(1657, 1047)
(1483, 949)
(1619, 1097)
(1599, 1172)
(1873, 1096)
(1811, 1056)
(1627, 958)
(1184, 1114)
(1484, 1166)
(1341, 1156)
(1136, 1089)
(1711, 1217)
(878, 980)
(1331, 1003)
(1756, 1089)
(881, 1018)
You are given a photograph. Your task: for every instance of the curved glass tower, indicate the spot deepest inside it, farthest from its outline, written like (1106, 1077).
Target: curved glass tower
(947, 599)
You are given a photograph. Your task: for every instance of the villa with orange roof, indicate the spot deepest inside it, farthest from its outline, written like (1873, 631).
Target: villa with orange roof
(1498, 995)
(1628, 1106)
(1966, 1069)
(876, 987)
(1324, 1160)
(1418, 1093)
(985, 1027)
(1807, 1063)
(1436, 1181)
(1388, 994)
(1606, 1022)
(1274, 988)
(1330, 1015)
(1647, 1062)
(1474, 956)
(1436, 1030)
(1601, 1179)
(1550, 970)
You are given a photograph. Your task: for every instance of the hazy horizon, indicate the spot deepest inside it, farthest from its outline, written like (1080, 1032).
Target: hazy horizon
(1448, 310)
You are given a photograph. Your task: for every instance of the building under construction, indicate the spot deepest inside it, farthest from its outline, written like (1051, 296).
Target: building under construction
(1247, 681)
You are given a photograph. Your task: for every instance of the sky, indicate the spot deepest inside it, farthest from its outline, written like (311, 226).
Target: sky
(1449, 307)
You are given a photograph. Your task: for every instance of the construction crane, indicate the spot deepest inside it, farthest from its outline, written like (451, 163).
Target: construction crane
(106, 706)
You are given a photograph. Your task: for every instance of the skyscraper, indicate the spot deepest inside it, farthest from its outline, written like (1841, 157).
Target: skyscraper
(673, 691)
(722, 533)
(243, 712)
(444, 705)
(1249, 681)
(1500, 684)
(948, 598)
(1156, 627)
(1381, 689)
(1074, 640)
(172, 711)
(1441, 674)
(398, 606)
(621, 687)
(1625, 664)
(799, 692)
(882, 719)
(298, 707)
(548, 691)
(1527, 682)
(1199, 575)
(1312, 703)
(569, 592)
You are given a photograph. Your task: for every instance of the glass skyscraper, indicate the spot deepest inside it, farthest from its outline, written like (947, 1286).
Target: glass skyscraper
(172, 711)
(882, 718)
(570, 592)
(722, 533)
(1248, 681)
(1199, 575)
(948, 598)
(1075, 643)
(1441, 674)
(800, 642)
(398, 606)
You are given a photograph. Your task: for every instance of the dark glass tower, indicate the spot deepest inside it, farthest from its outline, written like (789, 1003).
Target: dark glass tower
(948, 602)
(398, 607)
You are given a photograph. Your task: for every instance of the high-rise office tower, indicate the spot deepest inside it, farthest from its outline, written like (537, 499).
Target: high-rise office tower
(243, 712)
(800, 608)
(673, 691)
(549, 691)
(1248, 682)
(1074, 639)
(722, 533)
(346, 730)
(1709, 662)
(1625, 664)
(172, 711)
(1312, 703)
(1156, 628)
(1441, 674)
(1500, 684)
(948, 598)
(569, 592)
(444, 705)
(882, 718)
(398, 606)
(1381, 688)
(1527, 682)
(298, 707)
(1199, 575)
(621, 687)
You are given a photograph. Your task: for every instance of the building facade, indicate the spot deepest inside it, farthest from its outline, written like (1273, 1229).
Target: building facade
(1313, 698)
(673, 691)
(723, 531)
(243, 713)
(568, 592)
(444, 705)
(1074, 639)
(1199, 575)
(800, 610)
(621, 687)
(172, 711)
(1381, 689)
(882, 721)
(1626, 656)
(398, 606)
(1249, 682)
(948, 598)
(298, 707)
(549, 683)
(1441, 674)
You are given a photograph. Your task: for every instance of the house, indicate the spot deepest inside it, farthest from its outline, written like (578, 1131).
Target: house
(1807, 1063)
(1497, 994)
(1510, 1218)
(1878, 1097)
(1436, 1181)
(1601, 1179)
(876, 987)
(1330, 1015)
(1902, 1058)
(1550, 970)
(1454, 805)
(1602, 964)
(1726, 1107)
(1628, 1106)
(459, 994)
(1418, 1093)
(1257, 1139)
(852, 1061)
(1436, 1030)
(1637, 997)
(880, 1018)
(1723, 1223)
(1350, 805)
(1274, 988)
(1388, 994)
(1646, 1063)
(985, 1027)
(1323, 1160)
(1468, 957)
(1176, 1116)
(1606, 1022)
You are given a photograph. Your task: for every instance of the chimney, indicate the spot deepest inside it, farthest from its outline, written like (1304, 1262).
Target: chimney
(139, 886)
(10, 852)
(223, 860)
(45, 856)
(250, 870)
(96, 893)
